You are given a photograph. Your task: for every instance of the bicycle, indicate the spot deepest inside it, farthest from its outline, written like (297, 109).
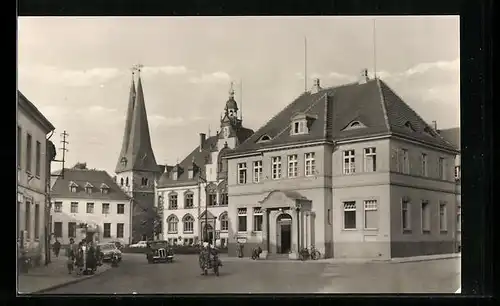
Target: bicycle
(314, 254)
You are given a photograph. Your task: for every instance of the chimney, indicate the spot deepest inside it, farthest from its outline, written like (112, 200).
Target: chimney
(316, 87)
(364, 76)
(202, 140)
(435, 125)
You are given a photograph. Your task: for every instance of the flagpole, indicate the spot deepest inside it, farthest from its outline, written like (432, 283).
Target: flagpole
(305, 64)
(374, 48)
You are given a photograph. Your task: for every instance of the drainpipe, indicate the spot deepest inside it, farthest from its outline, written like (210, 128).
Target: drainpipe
(298, 231)
(199, 211)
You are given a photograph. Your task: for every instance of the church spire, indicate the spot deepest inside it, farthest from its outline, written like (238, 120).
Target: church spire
(138, 154)
(128, 123)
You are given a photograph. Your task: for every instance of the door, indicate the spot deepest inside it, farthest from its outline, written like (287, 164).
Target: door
(286, 238)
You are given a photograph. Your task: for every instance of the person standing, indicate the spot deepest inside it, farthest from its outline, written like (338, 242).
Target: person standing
(56, 247)
(71, 254)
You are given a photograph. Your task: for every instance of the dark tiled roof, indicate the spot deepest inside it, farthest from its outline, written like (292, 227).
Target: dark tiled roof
(373, 104)
(23, 101)
(136, 146)
(452, 135)
(60, 189)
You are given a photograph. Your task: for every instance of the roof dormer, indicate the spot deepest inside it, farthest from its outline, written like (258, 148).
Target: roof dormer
(104, 188)
(355, 124)
(88, 187)
(264, 138)
(409, 126)
(301, 123)
(73, 186)
(176, 172)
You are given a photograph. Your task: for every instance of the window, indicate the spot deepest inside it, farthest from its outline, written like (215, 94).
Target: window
(211, 198)
(126, 181)
(292, 165)
(350, 215)
(90, 208)
(441, 170)
(188, 201)
(242, 219)
(28, 153)
(224, 222)
(19, 146)
(120, 209)
(172, 201)
(257, 219)
(58, 229)
(406, 214)
(457, 172)
(442, 217)
(349, 162)
(74, 207)
(405, 161)
(71, 229)
(257, 171)
(105, 208)
(426, 217)
(224, 199)
(459, 218)
(38, 158)
(172, 222)
(144, 181)
(298, 127)
(276, 167)
(310, 164)
(121, 181)
(107, 230)
(57, 207)
(242, 173)
(188, 224)
(37, 221)
(120, 230)
(424, 164)
(27, 219)
(88, 190)
(371, 214)
(370, 160)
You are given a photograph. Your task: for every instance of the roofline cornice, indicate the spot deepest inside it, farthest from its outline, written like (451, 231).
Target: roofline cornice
(280, 147)
(424, 143)
(34, 113)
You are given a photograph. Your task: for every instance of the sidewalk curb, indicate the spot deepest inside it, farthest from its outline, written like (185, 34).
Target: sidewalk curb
(71, 282)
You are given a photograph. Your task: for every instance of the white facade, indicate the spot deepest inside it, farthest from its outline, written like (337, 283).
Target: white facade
(68, 212)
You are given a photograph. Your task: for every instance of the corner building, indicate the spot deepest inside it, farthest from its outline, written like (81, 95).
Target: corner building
(352, 170)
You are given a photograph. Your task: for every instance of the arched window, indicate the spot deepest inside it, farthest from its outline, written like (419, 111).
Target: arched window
(224, 222)
(211, 195)
(172, 222)
(221, 162)
(188, 199)
(172, 201)
(121, 181)
(223, 196)
(188, 222)
(126, 182)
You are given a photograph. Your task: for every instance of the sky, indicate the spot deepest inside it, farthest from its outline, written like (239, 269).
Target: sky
(76, 70)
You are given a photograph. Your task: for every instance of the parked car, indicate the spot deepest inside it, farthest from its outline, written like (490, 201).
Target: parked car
(159, 251)
(140, 244)
(107, 251)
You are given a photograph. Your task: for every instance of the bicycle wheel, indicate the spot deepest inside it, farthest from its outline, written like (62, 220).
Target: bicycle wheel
(316, 255)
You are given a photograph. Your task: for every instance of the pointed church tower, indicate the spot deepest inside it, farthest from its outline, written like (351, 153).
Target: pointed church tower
(136, 169)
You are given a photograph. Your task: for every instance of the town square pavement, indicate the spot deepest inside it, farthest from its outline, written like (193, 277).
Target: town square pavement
(183, 276)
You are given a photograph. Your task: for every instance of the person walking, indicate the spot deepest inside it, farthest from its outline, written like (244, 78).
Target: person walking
(71, 254)
(56, 247)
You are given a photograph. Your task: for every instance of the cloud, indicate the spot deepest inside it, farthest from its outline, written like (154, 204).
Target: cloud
(215, 77)
(69, 77)
(423, 68)
(332, 76)
(159, 120)
(168, 70)
(100, 109)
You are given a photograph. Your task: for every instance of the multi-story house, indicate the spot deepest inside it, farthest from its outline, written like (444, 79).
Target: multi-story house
(193, 193)
(136, 169)
(88, 204)
(351, 170)
(452, 135)
(34, 154)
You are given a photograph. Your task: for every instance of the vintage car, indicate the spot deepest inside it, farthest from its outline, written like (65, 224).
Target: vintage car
(159, 251)
(107, 251)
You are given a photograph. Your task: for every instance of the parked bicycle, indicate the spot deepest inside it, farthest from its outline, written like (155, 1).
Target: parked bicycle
(306, 254)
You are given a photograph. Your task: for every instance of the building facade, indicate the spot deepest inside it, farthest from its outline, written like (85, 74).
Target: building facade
(88, 204)
(136, 169)
(193, 194)
(351, 170)
(34, 154)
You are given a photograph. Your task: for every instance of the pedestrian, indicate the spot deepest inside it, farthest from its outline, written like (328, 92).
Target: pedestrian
(56, 247)
(70, 253)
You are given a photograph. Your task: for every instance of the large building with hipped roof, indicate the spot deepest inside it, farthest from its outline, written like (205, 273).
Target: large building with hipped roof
(351, 170)
(88, 204)
(136, 169)
(194, 193)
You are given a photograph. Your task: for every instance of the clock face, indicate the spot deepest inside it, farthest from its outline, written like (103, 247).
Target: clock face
(226, 132)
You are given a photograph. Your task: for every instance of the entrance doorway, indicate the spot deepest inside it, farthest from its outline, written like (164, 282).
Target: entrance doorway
(284, 234)
(208, 232)
(89, 236)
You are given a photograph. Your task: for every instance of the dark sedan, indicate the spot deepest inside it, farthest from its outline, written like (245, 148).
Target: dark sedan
(159, 251)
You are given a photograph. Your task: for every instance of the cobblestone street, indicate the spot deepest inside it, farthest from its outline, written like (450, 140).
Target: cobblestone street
(183, 276)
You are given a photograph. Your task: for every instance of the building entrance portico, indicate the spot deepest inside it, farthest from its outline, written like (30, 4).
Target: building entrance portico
(283, 226)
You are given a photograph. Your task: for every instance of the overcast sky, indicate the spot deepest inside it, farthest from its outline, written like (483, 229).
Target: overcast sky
(77, 71)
